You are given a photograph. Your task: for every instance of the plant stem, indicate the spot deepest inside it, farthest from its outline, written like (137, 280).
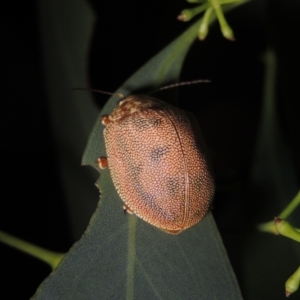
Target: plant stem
(203, 29)
(270, 226)
(286, 229)
(225, 28)
(188, 14)
(291, 207)
(49, 257)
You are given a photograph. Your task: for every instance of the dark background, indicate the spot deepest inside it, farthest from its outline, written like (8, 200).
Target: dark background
(126, 35)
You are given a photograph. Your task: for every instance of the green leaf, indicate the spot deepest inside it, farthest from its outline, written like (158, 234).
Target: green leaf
(122, 257)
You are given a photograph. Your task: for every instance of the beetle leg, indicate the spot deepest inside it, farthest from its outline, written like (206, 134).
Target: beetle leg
(127, 210)
(173, 231)
(102, 162)
(105, 120)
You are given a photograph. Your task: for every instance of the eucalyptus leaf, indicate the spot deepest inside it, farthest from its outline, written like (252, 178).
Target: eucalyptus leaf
(121, 256)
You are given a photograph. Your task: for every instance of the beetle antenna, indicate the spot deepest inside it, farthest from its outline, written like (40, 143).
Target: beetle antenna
(100, 92)
(182, 83)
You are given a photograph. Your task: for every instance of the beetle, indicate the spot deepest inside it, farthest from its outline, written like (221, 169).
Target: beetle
(157, 163)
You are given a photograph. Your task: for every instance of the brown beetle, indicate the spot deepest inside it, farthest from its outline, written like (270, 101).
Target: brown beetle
(157, 163)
